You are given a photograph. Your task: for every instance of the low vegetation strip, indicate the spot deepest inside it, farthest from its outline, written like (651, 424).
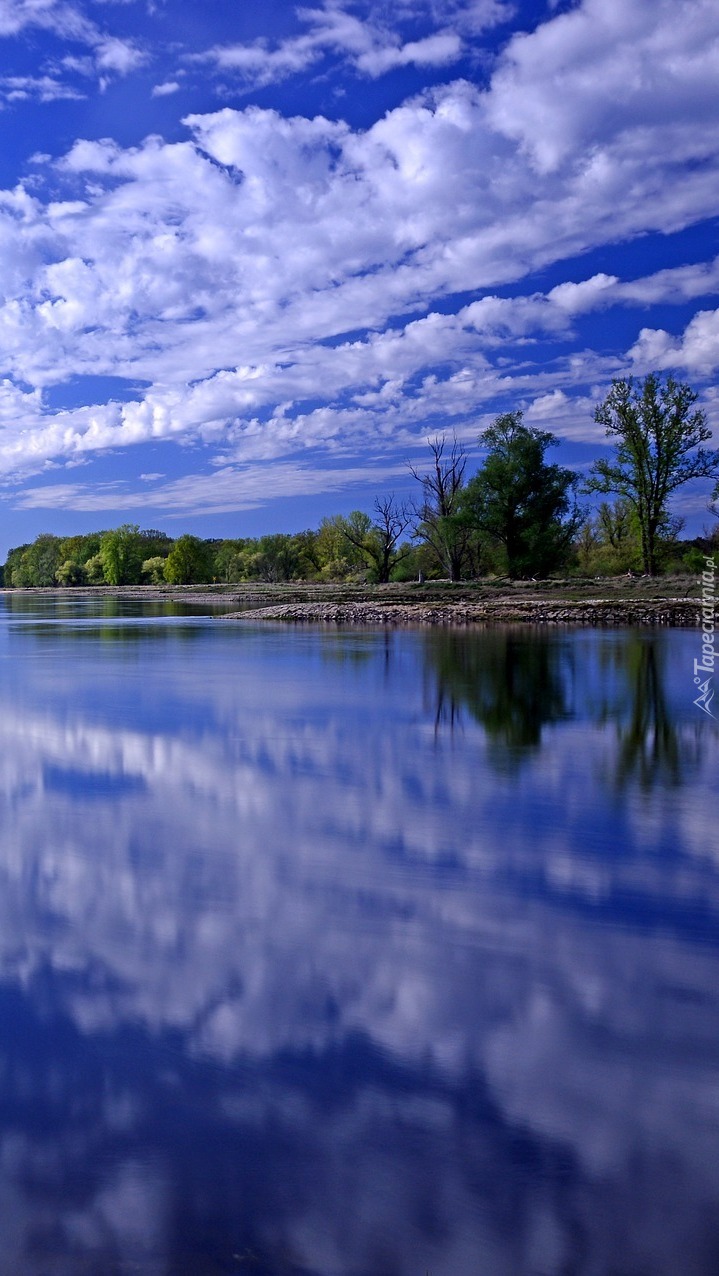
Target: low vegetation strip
(605, 613)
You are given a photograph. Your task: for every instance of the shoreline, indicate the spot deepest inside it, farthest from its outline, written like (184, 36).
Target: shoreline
(611, 603)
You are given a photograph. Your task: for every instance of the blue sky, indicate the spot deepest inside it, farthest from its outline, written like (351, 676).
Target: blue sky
(253, 255)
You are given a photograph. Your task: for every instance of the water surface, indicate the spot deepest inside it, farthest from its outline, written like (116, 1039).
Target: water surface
(352, 953)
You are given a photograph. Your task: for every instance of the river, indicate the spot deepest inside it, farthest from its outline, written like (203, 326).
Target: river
(354, 953)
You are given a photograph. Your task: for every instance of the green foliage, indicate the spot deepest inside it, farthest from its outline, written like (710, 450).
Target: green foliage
(659, 434)
(516, 515)
(188, 562)
(609, 543)
(13, 567)
(273, 558)
(95, 570)
(153, 569)
(308, 555)
(70, 573)
(228, 561)
(36, 564)
(121, 554)
(519, 502)
(155, 544)
(337, 557)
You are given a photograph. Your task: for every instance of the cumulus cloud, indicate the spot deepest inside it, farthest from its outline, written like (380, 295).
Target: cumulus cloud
(696, 349)
(609, 68)
(280, 283)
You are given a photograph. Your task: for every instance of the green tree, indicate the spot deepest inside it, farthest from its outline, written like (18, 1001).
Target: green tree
(14, 567)
(70, 573)
(608, 543)
(95, 570)
(37, 564)
(308, 557)
(121, 554)
(659, 433)
(154, 569)
(337, 556)
(275, 558)
(520, 502)
(187, 562)
(228, 562)
(155, 544)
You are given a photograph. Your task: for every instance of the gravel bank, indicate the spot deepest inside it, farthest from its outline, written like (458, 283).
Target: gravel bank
(605, 613)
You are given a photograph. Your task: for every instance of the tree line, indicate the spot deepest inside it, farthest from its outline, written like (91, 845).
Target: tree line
(518, 516)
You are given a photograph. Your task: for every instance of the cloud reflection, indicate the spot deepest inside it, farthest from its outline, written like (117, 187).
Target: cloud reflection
(323, 986)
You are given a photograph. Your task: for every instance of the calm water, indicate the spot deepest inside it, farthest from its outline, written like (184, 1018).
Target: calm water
(353, 954)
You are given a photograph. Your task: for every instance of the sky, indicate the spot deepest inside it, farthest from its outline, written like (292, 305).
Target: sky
(253, 256)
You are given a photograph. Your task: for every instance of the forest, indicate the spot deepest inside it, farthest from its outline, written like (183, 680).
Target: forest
(519, 516)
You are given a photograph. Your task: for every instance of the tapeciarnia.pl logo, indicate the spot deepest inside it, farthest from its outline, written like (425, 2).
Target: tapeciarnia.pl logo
(704, 668)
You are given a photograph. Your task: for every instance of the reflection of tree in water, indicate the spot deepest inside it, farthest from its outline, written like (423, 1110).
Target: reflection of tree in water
(513, 682)
(650, 751)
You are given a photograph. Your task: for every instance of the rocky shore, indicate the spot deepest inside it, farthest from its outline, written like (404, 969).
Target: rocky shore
(603, 613)
(615, 602)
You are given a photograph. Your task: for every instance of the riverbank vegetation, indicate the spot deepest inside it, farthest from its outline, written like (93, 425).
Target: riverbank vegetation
(519, 517)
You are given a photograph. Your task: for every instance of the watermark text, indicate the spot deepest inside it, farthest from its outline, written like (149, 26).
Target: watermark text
(704, 668)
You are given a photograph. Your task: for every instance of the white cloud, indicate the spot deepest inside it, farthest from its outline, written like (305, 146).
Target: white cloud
(121, 56)
(226, 490)
(43, 88)
(225, 270)
(365, 38)
(108, 54)
(16, 15)
(696, 350)
(166, 89)
(434, 50)
(610, 69)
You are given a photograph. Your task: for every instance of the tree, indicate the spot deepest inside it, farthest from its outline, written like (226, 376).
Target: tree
(70, 573)
(608, 543)
(338, 557)
(154, 569)
(187, 561)
(659, 435)
(307, 551)
(378, 539)
(38, 563)
(121, 554)
(275, 558)
(520, 502)
(15, 570)
(228, 563)
(437, 516)
(95, 570)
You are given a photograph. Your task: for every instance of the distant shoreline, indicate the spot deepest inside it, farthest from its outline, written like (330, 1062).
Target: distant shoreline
(616, 602)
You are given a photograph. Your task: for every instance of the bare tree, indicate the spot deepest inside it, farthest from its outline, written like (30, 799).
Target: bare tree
(437, 519)
(378, 539)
